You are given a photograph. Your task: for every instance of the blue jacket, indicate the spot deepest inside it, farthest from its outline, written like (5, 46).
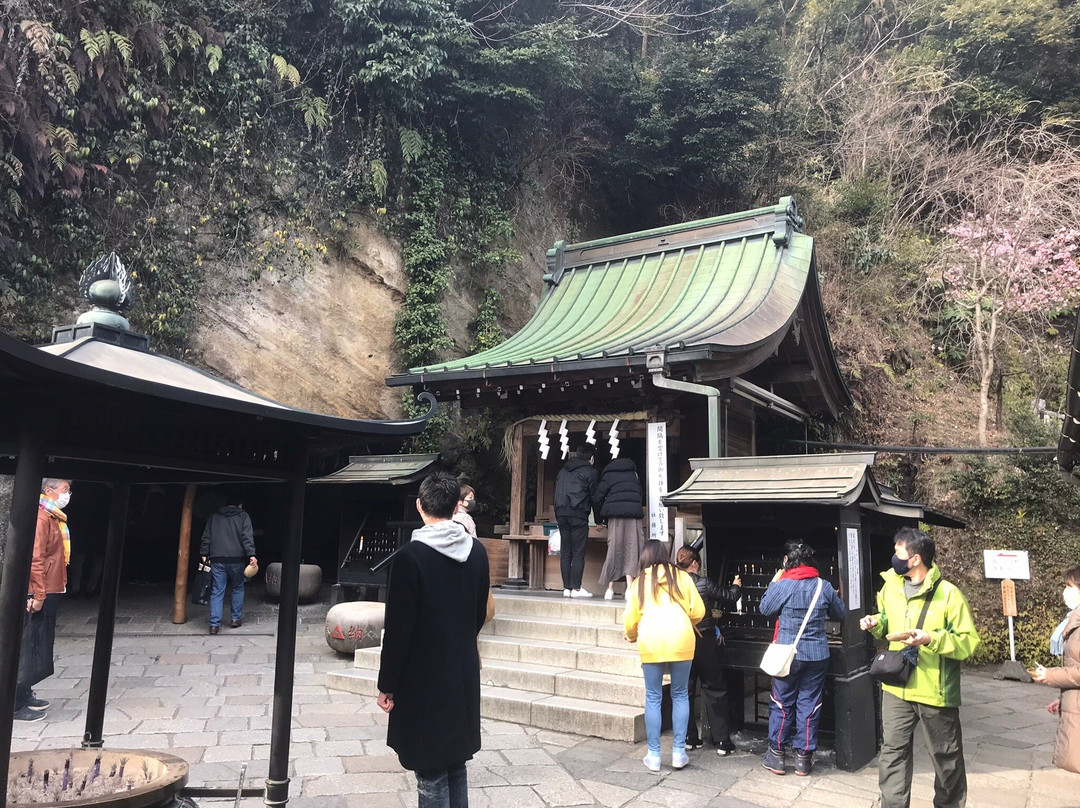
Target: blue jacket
(790, 598)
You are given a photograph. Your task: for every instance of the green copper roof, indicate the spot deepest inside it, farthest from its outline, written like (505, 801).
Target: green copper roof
(719, 294)
(393, 469)
(727, 282)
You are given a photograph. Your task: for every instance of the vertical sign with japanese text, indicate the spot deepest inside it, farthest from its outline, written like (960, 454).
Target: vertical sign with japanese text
(854, 570)
(656, 458)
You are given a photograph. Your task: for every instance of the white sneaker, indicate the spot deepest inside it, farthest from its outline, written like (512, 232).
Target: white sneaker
(679, 760)
(609, 595)
(581, 593)
(566, 593)
(651, 761)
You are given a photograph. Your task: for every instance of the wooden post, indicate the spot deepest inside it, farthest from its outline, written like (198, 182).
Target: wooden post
(517, 483)
(183, 557)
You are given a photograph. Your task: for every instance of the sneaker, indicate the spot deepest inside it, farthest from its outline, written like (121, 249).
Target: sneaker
(581, 593)
(679, 759)
(692, 745)
(26, 714)
(725, 748)
(566, 593)
(652, 761)
(37, 704)
(609, 595)
(804, 763)
(774, 761)
(215, 629)
(236, 624)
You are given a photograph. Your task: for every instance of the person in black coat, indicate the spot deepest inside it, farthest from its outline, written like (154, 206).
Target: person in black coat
(618, 502)
(429, 674)
(708, 667)
(575, 485)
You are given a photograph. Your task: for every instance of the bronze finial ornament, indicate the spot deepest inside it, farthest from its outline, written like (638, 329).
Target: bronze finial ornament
(107, 284)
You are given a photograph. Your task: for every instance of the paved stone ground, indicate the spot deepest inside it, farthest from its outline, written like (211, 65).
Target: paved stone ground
(208, 700)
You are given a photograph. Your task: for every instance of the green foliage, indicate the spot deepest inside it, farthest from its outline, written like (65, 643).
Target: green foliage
(484, 327)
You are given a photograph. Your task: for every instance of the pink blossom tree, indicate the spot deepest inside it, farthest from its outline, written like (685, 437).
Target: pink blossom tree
(1003, 274)
(1011, 242)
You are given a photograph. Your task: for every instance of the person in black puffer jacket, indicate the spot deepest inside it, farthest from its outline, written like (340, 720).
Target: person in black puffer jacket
(618, 501)
(708, 667)
(574, 488)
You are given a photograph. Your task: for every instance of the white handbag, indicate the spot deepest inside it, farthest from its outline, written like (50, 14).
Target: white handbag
(778, 656)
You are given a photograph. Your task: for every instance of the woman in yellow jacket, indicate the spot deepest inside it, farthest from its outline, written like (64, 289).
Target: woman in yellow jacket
(662, 608)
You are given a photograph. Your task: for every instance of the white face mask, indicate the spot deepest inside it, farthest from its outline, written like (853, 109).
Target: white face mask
(1071, 595)
(62, 500)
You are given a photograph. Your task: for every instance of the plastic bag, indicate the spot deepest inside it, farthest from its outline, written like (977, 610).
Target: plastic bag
(554, 542)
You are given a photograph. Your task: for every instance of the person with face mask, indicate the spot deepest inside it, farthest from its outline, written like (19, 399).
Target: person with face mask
(1067, 679)
(932, 693)
(465, 508)
(48, 580)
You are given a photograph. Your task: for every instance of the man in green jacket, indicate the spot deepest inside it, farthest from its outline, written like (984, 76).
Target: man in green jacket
(932, 694)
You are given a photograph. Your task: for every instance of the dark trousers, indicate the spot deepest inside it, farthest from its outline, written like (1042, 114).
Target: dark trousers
(47, 614)
(443, 788)
(573, 534)
(941, 732)
(795, 705)
(708, 671)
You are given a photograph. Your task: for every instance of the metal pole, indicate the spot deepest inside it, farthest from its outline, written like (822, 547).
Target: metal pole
(277, 781)
(106, 622)
(1012, 641)
(29, 469)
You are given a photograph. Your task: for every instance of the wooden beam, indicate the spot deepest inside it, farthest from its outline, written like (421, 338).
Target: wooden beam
(782, 374)
(517, 482)
(183, 558)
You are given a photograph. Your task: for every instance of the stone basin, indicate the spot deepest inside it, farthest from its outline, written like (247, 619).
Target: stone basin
(150, 779)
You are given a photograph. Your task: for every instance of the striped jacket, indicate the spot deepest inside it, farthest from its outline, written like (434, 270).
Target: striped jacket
(790, 598)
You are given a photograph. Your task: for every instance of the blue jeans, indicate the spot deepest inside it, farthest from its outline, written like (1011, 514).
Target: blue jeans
(443, 788)
(222, 573)
(680, 702)
(795, 705)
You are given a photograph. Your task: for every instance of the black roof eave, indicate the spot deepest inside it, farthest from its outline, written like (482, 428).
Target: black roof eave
(27, 362)
(634, 361)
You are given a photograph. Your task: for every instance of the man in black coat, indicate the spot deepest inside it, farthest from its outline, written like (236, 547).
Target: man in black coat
(429, 675)
(228, 546)
(575, 485)
(708, 667)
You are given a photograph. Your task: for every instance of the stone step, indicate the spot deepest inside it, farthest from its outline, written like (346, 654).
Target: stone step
(622, 661)
(553, 629)
(599, 719)
(592, 610)
(547, 679)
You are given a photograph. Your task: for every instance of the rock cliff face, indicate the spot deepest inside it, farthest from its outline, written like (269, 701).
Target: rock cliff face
(320, 336)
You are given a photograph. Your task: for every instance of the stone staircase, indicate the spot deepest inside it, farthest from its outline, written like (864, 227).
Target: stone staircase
(549, 662)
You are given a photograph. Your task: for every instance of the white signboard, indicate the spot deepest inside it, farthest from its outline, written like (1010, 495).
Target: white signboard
(854, 570)
(1007, 564)
(656, 459)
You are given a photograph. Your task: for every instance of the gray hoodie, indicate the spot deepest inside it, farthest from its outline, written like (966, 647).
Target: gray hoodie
(447, 537)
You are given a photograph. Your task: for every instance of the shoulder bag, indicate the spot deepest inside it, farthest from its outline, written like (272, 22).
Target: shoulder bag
(895, 667)
(778, 656)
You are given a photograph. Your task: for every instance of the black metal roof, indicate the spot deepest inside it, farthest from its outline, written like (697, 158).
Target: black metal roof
(108, 410)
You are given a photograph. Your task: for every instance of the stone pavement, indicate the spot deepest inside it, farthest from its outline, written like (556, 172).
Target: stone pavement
(208, 700)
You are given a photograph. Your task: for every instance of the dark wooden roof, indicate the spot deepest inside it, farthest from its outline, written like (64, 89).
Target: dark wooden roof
(107, 411)
(826, 479)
